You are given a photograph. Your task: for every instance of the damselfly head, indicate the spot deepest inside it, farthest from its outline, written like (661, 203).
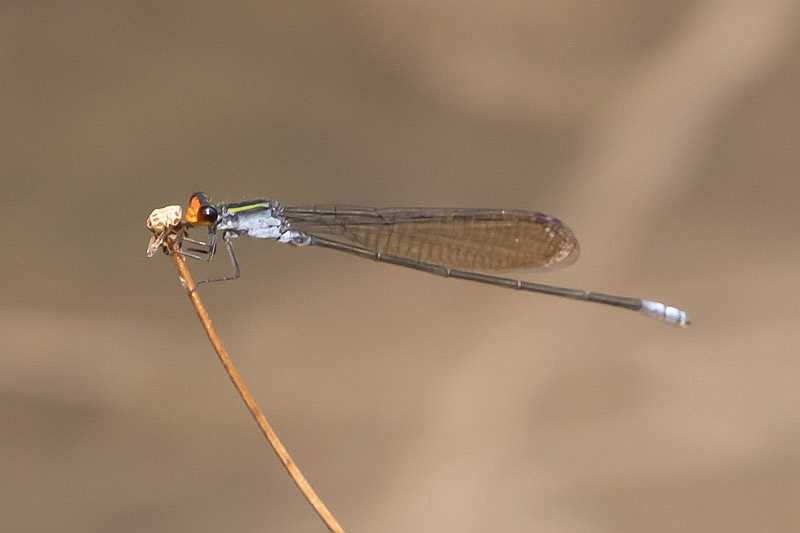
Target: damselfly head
(200, 211)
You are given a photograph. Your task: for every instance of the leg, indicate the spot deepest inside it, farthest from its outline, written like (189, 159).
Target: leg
(228, 238)
(204, 251)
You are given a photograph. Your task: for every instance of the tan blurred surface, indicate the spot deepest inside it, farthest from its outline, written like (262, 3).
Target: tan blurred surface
(665, 134)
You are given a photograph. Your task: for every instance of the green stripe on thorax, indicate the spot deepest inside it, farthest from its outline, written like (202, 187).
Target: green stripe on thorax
(248, 207)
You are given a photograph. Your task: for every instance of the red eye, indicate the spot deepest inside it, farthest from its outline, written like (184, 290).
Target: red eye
(196, 202)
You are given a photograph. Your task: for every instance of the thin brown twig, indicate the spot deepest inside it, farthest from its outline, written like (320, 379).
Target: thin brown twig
(172, 243)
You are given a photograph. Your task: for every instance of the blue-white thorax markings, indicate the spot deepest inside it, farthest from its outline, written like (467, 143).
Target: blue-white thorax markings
(262, 219)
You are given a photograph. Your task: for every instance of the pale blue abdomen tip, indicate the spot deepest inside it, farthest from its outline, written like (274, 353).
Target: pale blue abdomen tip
(666, 313)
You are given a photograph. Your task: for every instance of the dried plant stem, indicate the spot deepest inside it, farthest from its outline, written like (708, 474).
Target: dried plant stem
(276, 444)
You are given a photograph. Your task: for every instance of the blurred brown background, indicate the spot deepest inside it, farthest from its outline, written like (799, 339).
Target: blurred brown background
(664, 133)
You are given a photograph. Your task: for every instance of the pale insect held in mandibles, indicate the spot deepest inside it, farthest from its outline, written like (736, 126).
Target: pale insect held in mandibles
(161, 221)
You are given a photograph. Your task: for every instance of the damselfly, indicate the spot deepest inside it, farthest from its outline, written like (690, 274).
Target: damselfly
(456, 243)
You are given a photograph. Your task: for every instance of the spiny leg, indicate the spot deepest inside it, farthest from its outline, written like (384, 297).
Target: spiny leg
(207, 250)
(228, 238)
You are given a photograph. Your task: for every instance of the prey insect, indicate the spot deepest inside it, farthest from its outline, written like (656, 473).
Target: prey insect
(460, 243)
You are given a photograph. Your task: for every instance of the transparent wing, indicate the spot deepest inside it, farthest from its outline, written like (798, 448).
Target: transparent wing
(492, 240)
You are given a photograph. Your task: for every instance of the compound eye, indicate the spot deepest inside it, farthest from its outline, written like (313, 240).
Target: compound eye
(207, 214)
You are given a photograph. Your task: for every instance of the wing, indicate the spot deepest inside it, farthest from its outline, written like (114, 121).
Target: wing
(491, 240)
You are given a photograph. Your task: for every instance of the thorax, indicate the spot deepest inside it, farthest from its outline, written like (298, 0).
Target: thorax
(261, 219)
